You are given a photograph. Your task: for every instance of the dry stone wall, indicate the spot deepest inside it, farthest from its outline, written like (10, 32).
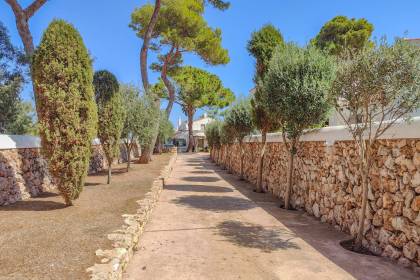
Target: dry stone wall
(328, 186)
(24, 173)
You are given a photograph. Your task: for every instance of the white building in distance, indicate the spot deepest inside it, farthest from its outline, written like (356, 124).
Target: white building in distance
(181, 138)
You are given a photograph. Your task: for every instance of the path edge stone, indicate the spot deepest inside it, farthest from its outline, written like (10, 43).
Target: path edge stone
(126, 239)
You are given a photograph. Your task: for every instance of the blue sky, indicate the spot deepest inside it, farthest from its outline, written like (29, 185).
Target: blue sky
(103, 25)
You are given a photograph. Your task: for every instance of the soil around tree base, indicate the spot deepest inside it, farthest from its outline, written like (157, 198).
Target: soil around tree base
(350, 246)
(42, 238)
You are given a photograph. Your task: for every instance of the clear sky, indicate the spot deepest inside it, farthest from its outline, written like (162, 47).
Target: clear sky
(103, 25)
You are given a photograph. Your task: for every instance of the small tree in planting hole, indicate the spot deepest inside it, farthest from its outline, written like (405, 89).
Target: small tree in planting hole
(261, 47)
(111, 115)
(297, 86)
(372, 91)
(66, 107)
(239, 121)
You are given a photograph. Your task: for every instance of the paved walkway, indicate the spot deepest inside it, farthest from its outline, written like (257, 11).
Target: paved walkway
(209, 225)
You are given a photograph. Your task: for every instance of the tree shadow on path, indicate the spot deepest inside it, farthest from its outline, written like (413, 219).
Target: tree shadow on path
(197, 188)
(267, 239)
(323, 237)
(203, 179)
(215, 203)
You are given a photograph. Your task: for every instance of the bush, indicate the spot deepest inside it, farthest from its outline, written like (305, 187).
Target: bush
(65, 106)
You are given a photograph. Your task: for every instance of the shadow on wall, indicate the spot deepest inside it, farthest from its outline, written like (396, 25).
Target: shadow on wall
(197, 188)
(215, 203)
(267, 239)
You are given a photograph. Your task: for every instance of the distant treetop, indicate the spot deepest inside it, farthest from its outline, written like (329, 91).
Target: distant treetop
(342, 33)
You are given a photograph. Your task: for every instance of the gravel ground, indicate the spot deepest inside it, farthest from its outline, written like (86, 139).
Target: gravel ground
(42, 239)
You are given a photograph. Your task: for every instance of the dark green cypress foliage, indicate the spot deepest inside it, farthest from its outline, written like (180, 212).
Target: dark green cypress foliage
(65, 105)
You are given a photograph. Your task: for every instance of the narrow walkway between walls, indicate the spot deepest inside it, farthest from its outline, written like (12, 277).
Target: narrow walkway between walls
(210, 225)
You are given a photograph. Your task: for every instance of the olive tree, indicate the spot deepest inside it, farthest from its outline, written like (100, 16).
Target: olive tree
(130, 95)
(239, 121)
(146, 117)
(111, 115)
(213, 136)
(373, 91)
(297, 86)
(66, 107)
(262, 46)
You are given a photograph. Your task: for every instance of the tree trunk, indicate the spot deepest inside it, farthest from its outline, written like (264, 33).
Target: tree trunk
(68, 201)
(128, 148)
(146, 155)
(191, 143)
(241, 176)
(364, 169)
(145, 47)
(22, 17)
(259, 188)
(109, 173)
(288, 194)
(229, 162)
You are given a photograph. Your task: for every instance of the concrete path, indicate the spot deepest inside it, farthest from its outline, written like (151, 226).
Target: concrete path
(209, 225)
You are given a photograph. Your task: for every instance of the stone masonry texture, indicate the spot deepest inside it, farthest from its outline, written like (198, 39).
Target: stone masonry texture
(24, 173)
(327, 185)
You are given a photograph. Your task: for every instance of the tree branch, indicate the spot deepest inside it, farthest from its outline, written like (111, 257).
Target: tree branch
(31, 9)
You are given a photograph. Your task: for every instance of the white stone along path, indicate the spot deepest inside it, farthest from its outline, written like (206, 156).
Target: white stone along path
(209, 225)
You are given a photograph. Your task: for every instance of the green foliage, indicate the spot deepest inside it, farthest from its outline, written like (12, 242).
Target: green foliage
(227, 134)
(15, 115)
(146, 117)
(297, 85)
(130, 94)
(111, 113)
(213, 134)
(381, 83)
(166, 128)
(219, 4)
(239, 120)
(67, 113)
(342, 33)
(23, 123)
(181, 27)
(262, 45)
(106, 85)
(198, 88)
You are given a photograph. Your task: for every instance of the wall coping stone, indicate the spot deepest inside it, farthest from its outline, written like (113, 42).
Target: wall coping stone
(400, 130)
(9, 142)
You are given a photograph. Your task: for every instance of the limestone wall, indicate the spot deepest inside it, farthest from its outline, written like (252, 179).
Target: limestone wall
(328, 186)
(24, 173)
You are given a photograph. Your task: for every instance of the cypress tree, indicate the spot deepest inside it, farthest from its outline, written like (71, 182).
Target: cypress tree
(65, 105)
(111, 115)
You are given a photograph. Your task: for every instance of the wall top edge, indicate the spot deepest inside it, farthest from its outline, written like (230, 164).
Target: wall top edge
(400, 130)
(10, 142)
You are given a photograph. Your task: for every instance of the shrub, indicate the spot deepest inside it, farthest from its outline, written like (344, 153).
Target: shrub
(65, 105)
